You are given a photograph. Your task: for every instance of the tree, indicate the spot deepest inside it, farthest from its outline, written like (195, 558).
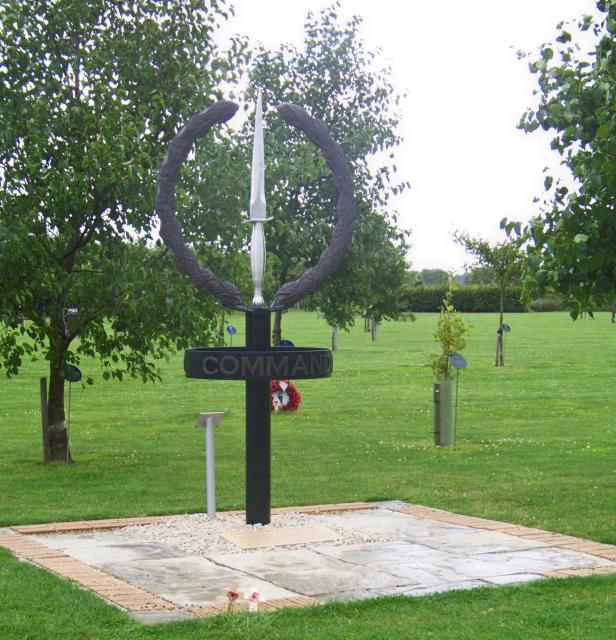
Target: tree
(434, 276)
(479, 275)
(371, 280)
(335, 78)
(91, 92)
(452, 336)
(412, 279)
(572, 248)
(505, 260)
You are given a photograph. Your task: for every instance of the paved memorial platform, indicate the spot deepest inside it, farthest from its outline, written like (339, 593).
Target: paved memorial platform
(343, 552)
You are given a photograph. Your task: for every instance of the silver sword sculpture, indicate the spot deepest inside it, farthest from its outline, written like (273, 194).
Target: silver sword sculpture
(257, 208)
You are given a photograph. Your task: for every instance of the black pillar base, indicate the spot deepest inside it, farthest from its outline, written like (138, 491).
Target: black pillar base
(258, 426)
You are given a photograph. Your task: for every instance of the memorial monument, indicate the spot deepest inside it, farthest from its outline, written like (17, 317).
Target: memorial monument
(257, 363)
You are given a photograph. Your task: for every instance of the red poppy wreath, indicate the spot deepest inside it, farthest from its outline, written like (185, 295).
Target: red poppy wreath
(285, 396)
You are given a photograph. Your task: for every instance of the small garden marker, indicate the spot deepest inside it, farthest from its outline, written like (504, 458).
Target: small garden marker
(231, 330)
(210, 421)
(73, 374)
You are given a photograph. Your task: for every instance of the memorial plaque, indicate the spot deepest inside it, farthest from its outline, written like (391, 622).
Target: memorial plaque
(70, 372)
(457, 361)
(281, 537)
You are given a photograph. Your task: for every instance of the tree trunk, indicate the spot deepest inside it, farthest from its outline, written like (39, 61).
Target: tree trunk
(374, 328)
(59, 450)
(277, 330)
(277, 326)
(221, 331)
(499, 360)
(335, 337)
(367, 324)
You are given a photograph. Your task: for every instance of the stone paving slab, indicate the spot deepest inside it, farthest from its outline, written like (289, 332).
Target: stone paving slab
(444, 587)
(393, 523)
(309, 573)
(478, 542)
(193, 580)
(101, 547)
(156, 617)
(366, 594)
(518, 578)
(426, 550)
(536, 560)
(380, 554)
(353, 595)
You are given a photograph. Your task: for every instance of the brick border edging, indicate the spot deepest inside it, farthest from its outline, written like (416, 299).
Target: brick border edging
(114, 590)
(77, 526)
(134, 599)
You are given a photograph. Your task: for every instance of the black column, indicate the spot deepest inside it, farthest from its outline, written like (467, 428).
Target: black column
(258, 420)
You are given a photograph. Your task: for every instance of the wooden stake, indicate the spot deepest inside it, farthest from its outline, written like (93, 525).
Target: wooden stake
(45, 421)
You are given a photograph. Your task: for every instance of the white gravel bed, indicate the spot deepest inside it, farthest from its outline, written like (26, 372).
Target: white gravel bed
(199, 535)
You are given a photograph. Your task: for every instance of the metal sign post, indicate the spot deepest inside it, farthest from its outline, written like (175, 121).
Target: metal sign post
(231, 330)
(506, 329)
(73, 374)
(210, 420)
(458, 362)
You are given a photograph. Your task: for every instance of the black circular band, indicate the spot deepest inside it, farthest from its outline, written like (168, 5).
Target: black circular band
(275, 363)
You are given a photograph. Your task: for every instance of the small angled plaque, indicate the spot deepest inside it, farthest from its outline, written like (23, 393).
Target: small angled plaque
(457, 361)
(281, 537)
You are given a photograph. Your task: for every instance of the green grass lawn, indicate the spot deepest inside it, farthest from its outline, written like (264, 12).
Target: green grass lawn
(535, 447)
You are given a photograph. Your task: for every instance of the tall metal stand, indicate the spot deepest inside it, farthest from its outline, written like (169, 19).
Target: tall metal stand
(258, 426)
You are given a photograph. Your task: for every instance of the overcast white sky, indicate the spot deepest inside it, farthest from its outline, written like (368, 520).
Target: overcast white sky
(467, 163)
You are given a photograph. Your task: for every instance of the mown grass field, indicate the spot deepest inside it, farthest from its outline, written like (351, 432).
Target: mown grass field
(535, 447)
